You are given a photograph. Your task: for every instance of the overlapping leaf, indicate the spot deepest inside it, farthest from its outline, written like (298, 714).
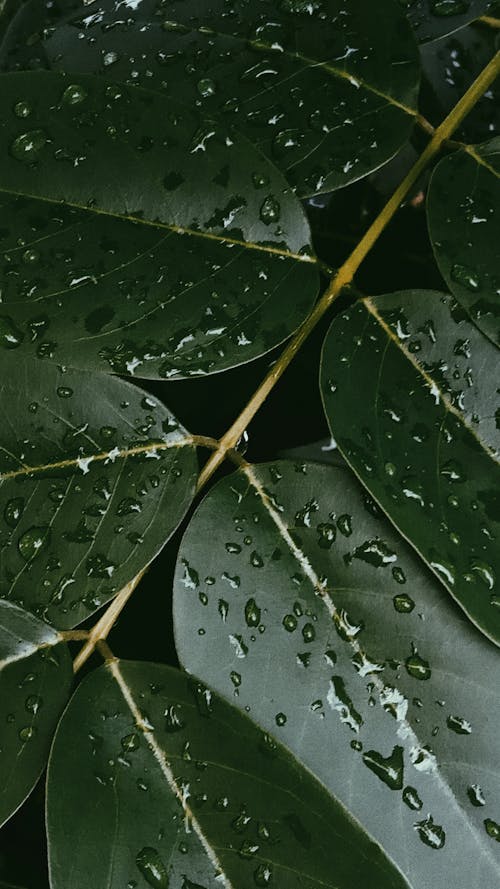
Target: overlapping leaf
(431, 19)
(464, 225)
(35, 679)
(410, 392)
(298, 601)
(449, 67)
(182, 251)
(95, 474)
(176, 788)
(327, 89)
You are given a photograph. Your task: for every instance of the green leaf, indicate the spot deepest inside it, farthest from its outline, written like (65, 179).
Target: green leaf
(179, 251)
(35, 679)
(449, 67)
(167, 785)
(307, 609)
(422, 434)
(463, 219)
(95, 474)
(328, 91)
(431, 19)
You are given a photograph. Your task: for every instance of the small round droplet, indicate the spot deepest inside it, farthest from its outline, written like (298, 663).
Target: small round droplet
(74, 94)
(22, 109)
(27, 733)
(206, 87)
(403, 603)
(28, 146)
(13, 511)
(280, 719)
(270, 210)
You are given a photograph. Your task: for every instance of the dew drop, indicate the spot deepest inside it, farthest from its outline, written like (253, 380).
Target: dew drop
(13, 511)
(476, 796)
(27, 733)
(270, 210)
(27, 146)
(403, 603)
(467, 278)
(32, 542)
(22, 109)
(10, 335)
(431, 834)
(252, 613)
(459, 725)
(74, 94)
(492, 829)
(206, 87)
(412, 799)
(152, 867)
(418, 667)
(389, 769)
(33, 703)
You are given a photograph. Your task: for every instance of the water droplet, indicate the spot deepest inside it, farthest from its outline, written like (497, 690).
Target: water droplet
(109, 58)
(340, 701)
(64, 392)
(476, 795)
(412, 799)
(290, 622)
(280, 719)
(260, 180)
(10, 335)
(430, 833)
(308, 633)
(252, 613)
(27, 733)
(403, 603)
(27, 146)
(389, 769)
(22, 109)
(263, 875)
(13, 511)
(492, 829)
(33, 704)
(74, 94)
(417, 667)
(467, 278)
(459, 725)
(270, 210)
(173, 719)
(32, 541)
(130, 742)
(206, 87)
(152, 867)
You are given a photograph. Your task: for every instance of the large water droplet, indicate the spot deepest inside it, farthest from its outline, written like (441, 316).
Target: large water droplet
(389, 769)
(28, 146)
(431, 834)
(418, 667)
(459, 725)
(32, 542)
(403, 603)
(22, 109)
(252, 613)
(206, 87)
(152, 867)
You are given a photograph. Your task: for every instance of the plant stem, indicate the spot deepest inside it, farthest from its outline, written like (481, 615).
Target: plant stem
(104, 626)
(490, 21)
(346, 272)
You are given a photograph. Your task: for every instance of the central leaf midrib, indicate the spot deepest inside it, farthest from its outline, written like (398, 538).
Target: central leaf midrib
(324, 594)
(74, 462)
(176, 229)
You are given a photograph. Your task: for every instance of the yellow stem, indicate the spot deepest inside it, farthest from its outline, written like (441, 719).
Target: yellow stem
(347, 271)
(104, 626)
(490, 21)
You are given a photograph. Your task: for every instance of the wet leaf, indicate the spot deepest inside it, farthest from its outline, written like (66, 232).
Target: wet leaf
(36, 673)
(167, 785)
(422, 433)
(431, 19)
(327, 90)
(95, 474)
(138, 239)
(360, 662)
(464, 227)
(449, 67)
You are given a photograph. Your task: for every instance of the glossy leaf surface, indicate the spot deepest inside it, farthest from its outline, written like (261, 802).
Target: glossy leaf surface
(307, 609)
(422, 433)
(182, 252)
(176, 788)
(464, 226)
(431, 19)
(36, 673)
(326, 89)
(95, 474)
